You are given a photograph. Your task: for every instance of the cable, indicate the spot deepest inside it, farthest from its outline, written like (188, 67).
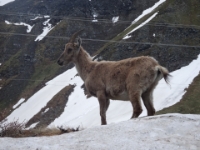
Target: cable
(98, 40)
(102, 20)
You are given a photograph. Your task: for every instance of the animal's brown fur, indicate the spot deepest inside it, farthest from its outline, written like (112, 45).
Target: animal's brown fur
(127, 80)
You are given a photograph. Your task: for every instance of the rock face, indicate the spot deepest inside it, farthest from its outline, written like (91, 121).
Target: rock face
(27, 65)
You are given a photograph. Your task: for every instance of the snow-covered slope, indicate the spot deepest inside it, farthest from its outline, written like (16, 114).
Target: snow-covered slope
(84, 112)
(166, 132)
(4, 2)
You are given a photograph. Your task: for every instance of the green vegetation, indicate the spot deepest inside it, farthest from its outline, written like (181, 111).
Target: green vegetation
(13, 61)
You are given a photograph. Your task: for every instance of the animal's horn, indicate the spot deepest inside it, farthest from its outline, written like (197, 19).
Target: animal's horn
(73, 37)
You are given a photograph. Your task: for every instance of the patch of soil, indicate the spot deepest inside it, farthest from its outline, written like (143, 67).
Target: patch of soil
(53, 109)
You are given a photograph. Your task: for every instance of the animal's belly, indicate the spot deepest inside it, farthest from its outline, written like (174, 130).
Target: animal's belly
(121, 96)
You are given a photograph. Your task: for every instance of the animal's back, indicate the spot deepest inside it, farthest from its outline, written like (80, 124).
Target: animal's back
(115, 77)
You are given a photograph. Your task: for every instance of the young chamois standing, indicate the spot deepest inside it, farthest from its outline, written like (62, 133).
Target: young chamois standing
(127, 80)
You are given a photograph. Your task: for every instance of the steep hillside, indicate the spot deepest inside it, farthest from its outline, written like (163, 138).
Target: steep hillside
(171, 33)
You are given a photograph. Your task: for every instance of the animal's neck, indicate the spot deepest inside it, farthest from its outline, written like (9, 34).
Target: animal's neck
(84, 64)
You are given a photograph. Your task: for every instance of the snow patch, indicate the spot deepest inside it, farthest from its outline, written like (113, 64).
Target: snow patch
(94, 17)
(46, 16)
(46, 30)
(115, 19)
(141, 25)
(29, 27)
(39, 100)
(46, 110)
(19, 102)
(46, 22)
(144, 13)
(32, 126)
(149, 10)
(4, 2)
(154, 35)
(38, 17)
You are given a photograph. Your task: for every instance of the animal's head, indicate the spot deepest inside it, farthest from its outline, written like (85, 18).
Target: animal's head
(71, 50)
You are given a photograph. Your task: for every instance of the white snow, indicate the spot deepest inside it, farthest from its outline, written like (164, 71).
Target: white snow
(48, 27)
(154, 35)
(166, 132)
(115, 19)
(19, 102)
(46, 110)
(144, 13)
(94, 17)
(36, 18)
(94, 20)
(39, 100)
(141, 25)
(29, 27)
(84, 112)
(46, 22)
(4, 2)
(32, 126)
(46, 16)
(149, 10)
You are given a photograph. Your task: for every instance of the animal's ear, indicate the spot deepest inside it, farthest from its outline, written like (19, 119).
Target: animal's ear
(79, 42)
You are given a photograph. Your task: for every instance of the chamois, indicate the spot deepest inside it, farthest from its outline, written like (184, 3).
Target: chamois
(126, 80)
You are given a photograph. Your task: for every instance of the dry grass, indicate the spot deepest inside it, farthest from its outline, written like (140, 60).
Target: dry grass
(17, 129)
(40, 132)
(10, 129)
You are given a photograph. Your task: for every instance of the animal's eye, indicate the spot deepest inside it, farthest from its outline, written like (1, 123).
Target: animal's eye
(69, 50)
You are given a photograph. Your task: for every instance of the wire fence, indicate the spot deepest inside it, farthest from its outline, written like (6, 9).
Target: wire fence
(99, 40)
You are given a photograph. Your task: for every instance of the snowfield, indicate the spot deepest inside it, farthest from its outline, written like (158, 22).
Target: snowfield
(84, 113)
(4, 2)
(166, 132)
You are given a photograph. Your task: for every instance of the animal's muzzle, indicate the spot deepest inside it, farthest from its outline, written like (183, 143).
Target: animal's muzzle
(60, 63)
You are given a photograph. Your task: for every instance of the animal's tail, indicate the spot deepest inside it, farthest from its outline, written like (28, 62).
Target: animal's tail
(163, 72)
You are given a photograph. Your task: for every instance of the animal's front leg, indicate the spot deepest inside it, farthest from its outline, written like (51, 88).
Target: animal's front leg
(104, 104)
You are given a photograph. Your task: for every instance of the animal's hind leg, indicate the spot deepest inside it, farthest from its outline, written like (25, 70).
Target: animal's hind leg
(104, 104)
(136, 103)
(148, 102)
